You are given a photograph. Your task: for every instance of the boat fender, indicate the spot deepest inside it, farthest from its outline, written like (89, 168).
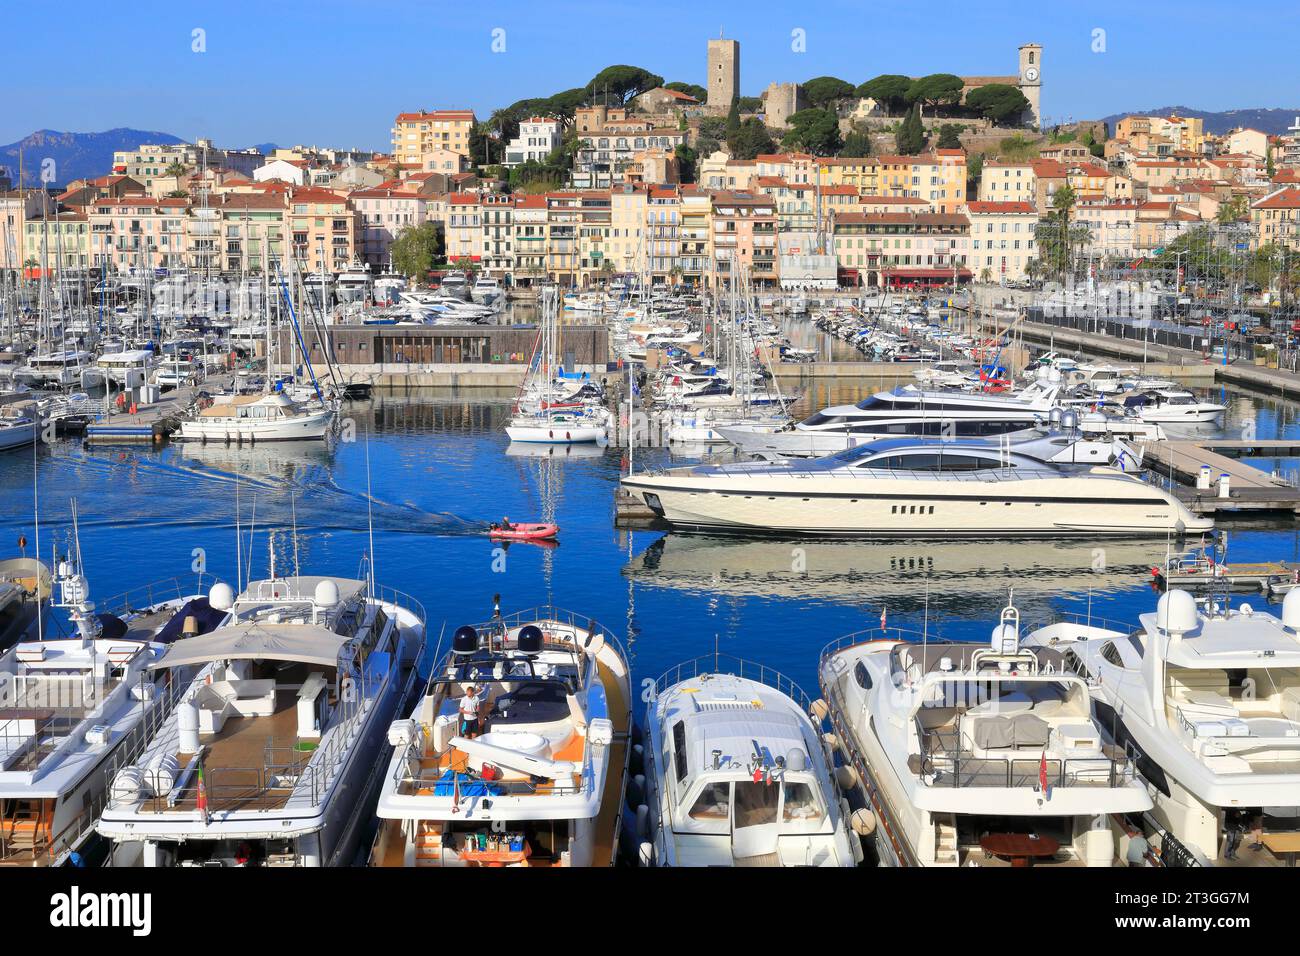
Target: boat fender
(642, 821)
(819, 709)
(646, 854)
(863, 822)
(637, 761)
(831, 741)
(846, 777)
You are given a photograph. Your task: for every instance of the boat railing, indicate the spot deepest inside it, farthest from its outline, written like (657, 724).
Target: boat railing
(157, 592)
(723, 663)
(516, 619)
(399, 599)
(1079, 619)
(944, 765)
(71, 834)
(412, 778)
(1007, 473)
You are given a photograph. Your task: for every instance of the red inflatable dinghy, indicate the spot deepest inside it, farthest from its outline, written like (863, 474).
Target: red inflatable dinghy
(522, 531)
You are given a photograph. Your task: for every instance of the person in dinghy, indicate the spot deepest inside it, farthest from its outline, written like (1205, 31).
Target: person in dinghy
(523, 531)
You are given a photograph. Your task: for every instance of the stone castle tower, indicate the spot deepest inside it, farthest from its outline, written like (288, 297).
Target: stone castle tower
(724, 73)
(1031, 81)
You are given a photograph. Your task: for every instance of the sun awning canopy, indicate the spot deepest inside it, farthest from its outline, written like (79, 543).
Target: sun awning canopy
(303, 643)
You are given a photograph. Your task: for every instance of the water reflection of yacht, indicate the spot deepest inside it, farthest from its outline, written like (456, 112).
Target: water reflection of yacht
(835, 570)
(276, 458)
(523, 449)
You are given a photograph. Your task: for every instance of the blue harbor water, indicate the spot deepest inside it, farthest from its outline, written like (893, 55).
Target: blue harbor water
(430, 472)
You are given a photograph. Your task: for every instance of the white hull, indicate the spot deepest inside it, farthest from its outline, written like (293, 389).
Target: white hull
(558, 433)
(907, 507)
(313, 425)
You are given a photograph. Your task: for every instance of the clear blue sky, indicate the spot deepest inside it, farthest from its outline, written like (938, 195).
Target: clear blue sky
(335, 72)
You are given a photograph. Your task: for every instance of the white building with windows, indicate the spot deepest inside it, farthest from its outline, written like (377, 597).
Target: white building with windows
(1002, 239)
(538, 137)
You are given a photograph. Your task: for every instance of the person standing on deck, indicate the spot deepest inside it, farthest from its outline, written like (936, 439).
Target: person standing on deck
(469, 708)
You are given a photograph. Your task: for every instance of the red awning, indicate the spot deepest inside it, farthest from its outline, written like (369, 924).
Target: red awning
(926, 273)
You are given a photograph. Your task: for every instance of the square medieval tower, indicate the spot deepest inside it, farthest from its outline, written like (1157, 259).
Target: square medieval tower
(724, 73)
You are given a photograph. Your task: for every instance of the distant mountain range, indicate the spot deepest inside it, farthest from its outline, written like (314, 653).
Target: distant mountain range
(79, 155)
(1272, 121)
(75, 155)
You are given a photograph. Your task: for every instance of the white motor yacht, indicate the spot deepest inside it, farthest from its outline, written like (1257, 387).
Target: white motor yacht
(738, 774)
(269, 416)
(1207, 698)
(975, 754)
(540, 781)
(1172, 406)
(268, 748)
(54, 369)
(486, 290)
(909, 488)
(906, 411)
(77, 708)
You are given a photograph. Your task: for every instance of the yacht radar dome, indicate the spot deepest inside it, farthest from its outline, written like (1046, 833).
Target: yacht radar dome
(465, 641)
(221, 596)
(326, 595)
(1176, 612)
(796, 760)
(530, 639)
(1291, 610)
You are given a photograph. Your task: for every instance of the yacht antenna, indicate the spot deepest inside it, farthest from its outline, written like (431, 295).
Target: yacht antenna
(370, 518)
(36, 505)
(252, 530)
(293, 511)
(239, 540)
(925, 621)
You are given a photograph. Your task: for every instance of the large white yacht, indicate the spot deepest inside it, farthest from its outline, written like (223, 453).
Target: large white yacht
(907, 411)
(270, 416)
(1208, 700)
(75, 709)
(486, 290)
(910, 488)
(1172, 406)
(265, 756)
(975, 754)
(542, 781)
(737, 773)
(54, 369)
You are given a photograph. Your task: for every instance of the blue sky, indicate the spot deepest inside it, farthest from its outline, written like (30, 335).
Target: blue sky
(336, 71)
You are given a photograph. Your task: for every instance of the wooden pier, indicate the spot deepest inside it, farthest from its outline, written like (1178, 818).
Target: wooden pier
(631, 512)
(1249, 488)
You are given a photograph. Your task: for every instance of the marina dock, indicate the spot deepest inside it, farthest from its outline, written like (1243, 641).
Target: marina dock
(1249, 488)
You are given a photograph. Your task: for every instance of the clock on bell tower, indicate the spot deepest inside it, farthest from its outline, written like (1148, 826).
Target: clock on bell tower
(1031, 81)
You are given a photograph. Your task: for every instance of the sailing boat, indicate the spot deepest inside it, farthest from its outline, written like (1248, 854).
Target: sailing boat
(270, 416)
(573, 423)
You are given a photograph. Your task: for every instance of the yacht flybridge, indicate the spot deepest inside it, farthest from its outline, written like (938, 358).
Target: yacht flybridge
(1208, 699)
(267, 749)
(906, 411)
(77, 708)
(976, 754)
(738, 774)
(540, 781)
(908, 488)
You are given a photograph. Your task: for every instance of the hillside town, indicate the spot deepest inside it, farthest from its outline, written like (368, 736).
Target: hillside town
(900, 182)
